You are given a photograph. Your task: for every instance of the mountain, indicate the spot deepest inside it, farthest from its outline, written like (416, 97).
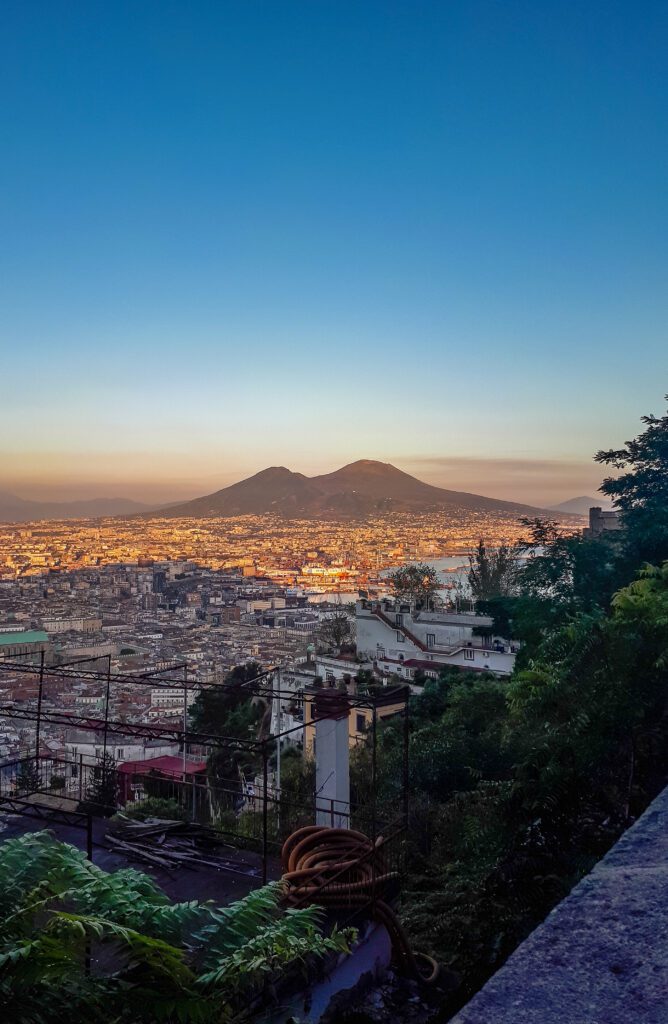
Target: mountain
(21, 510)
(274, 489)
(580, 506)
(361, 489)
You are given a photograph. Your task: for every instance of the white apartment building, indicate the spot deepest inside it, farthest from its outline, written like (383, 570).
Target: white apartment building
(90, 746)
(73, 624)
(172, 697)
(397, 638)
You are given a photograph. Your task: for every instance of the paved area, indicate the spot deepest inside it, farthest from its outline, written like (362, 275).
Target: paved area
(239, 873)
(601, 956)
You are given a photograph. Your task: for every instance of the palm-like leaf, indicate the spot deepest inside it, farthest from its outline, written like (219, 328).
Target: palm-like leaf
(55, 907)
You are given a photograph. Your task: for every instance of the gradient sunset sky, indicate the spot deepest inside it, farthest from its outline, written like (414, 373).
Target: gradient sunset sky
(236, 235)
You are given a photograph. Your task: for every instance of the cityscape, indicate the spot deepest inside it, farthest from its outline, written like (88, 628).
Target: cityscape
(333, 512)
(210, 594)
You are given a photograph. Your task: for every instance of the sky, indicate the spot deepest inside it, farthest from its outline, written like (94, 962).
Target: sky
(235, 235)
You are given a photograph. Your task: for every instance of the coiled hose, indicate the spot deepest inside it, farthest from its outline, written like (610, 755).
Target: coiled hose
(342, 868)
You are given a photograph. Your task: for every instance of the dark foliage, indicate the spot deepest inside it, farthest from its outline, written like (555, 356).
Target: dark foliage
(519, 787)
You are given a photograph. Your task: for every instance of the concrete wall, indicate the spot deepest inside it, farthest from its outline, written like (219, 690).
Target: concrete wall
(601, 956)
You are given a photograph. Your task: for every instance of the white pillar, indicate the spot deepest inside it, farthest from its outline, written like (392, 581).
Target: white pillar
(332, 760)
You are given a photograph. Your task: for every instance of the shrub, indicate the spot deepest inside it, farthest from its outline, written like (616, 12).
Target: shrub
(156, 807)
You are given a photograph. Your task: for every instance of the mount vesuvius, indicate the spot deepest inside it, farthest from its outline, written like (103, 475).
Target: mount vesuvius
(356, 491)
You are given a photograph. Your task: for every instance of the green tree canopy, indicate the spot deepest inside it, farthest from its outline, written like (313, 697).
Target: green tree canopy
(336, 630)
(492, 571)
(228, 710)
(417, 583)
(27, 777)
(640, 492)
(102, 793)
(225, 708)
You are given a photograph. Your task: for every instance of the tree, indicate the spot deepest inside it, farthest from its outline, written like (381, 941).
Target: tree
(566, 568)
(364, 679)
(557, 575)
(492, 573)
(418, 584)
(518, 787)
(641, 492)
(27, 777)
(336, 630)
(228, 711)
(214, 707)
(102, 793)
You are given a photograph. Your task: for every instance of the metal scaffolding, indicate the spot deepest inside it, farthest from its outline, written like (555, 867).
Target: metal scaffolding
(48, 708)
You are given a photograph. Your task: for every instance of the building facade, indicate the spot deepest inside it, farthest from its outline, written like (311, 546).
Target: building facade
(398, 639)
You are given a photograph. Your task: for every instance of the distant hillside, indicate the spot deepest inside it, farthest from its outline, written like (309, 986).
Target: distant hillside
(20, 510)
(361, 489)
(580, 506)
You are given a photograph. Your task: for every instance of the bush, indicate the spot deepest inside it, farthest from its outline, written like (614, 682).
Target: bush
(155, 961)
(155, 807)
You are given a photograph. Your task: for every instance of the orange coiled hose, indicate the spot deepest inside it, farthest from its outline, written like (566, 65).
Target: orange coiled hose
(342, 868)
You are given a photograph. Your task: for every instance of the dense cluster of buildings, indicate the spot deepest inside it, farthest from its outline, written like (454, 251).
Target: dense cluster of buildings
(179, 627)
(310, 553)
(180, 603)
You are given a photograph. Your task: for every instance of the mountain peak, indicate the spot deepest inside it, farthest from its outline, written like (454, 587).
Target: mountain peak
(368, 465)
(580, 506)
(275, 471)
(363, 488)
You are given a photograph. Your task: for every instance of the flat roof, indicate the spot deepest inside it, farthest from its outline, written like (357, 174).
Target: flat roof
(26, 636)
(168, 765)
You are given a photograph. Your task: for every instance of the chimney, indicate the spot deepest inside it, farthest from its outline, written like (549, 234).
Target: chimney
(332, 761)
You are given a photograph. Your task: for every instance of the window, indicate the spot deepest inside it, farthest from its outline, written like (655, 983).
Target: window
(399, 619)
(469, 654)
(360, 723)
(431, 639)
(400, 638)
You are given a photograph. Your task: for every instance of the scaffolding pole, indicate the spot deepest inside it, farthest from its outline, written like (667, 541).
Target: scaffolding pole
(40, 692)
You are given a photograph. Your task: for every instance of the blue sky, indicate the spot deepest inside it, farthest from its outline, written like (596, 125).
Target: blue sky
(242, 234)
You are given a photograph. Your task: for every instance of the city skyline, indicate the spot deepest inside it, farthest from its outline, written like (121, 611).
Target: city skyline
(309, 234)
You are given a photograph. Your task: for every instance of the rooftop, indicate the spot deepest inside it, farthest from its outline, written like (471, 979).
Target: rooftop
(167, 765)
(26, 636)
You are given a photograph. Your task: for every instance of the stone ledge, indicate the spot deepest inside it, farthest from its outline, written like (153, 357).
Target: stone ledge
(601, 956)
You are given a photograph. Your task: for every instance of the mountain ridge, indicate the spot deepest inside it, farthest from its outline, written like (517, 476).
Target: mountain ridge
(25, 510)
(359, 489)
(580, 506)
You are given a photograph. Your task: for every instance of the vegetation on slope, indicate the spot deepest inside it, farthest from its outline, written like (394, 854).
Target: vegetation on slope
(518, 788)
(78, 943)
